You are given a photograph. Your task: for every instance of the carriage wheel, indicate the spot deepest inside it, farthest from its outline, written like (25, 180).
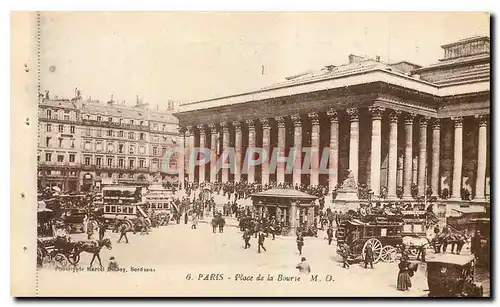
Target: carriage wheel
(376, 247)
(60, 261)
(74, 258)
(389, 253)
(129, 225)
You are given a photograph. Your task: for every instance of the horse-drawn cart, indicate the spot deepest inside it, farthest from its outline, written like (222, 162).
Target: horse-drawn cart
(58, 252)
(381, 232)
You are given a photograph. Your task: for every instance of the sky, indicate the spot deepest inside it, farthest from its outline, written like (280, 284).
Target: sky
(195, 56)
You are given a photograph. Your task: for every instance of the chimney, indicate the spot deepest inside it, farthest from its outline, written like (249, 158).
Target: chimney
(355, 58)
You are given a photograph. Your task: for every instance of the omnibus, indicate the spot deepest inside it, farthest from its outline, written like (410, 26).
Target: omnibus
(119, 202)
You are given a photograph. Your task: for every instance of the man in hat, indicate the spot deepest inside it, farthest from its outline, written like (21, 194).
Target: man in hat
(303, 266)
(262, 237)
(368, 256)
(329, 233)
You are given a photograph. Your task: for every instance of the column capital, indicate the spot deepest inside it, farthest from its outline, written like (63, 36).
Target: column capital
(250, 123)
(458, 120)
(423, 121)
(265, 123)
(394, 116)
(224, 126)
(281, 121)
(237, 126)
(190, 130)
(213, 128)
(333, 115)
(376, 112)
(201, 128)
(409, 117)
(482, 119)
(353, 114)
(314, 117)
(297, 120)
(436, 124)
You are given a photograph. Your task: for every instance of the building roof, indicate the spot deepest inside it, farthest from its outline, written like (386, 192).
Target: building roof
(451, 259)
(467, 40)
(284, 193)
(119, 110)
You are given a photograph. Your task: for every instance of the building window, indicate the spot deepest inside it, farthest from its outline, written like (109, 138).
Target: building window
(60, 158)
(155, 164)
(110, 132)
(110, 147)
(98, 146)
(142, 150)
(49, 128)
(98, 161)
(131, 149)
(87, 160)
(110, 119)
(72, 143)
(142, 123)
(61, 142)
(141, 136)
(99, 132)
(155, 151)
(88, 145)
(47, 141)
(141, 163)
(71, 157)
(48, 157)
(66, 117)
(131, 135)
(131, 163)
(98, 118)
(87, 132)
(120, 148)
(110, 174)
(120, 162)
(164, 128)
(72, 129)
(38, 158)
(110, 161)
(61, 128)
(56, 116)
(164, 151)
(120, 134)
(131, 121)
(49, 113)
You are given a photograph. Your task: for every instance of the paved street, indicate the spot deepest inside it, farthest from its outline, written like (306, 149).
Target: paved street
(194, 251)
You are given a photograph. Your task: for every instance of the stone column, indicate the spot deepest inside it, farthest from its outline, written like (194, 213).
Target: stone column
(310, 216)
(190, 165)
(408, 167)
(376, 149)
(481, 158)
(237, 145)
(181, 167)
(293, 217)
(280, 172)
(422, 157)
(393, 154)
(201, 168)
(225, 146)
(251, 145)
(354, 142)
(314, 117)
(333, 169)
(457, 159)
(266, 144)
(436, 139)
(214, 135)
(297, 144)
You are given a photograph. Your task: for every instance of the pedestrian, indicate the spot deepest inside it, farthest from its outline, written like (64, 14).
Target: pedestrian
(329, 233)
(246, 236)
(300, 242)
(462, 238)
(90, 229)
(404, 281)
(303, 266)
(222, 223)
(345, 252)
(368, 256)
(185, 217)
(102, 230)
(262, 237)
(194, 221)
(113, 265)
(123, 233)
(214, 224)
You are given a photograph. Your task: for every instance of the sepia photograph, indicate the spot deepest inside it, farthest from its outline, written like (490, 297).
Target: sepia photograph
(261, 154)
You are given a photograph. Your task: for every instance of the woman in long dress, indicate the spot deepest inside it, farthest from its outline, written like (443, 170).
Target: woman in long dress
(404, 281)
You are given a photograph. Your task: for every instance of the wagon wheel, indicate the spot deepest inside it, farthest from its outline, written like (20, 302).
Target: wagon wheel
(376, 247)
(129, 225)
(60, 260)
(74, 258)
(389, 253)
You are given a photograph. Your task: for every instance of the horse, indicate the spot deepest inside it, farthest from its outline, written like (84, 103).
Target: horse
(94, 248)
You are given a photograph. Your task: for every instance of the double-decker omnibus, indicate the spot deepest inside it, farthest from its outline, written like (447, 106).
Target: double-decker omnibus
(119, 202)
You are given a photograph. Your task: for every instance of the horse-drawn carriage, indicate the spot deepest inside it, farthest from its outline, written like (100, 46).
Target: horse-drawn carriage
(383, 233)
(58, 251)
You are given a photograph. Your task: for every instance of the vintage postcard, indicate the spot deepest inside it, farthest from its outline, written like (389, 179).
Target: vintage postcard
(218, 154)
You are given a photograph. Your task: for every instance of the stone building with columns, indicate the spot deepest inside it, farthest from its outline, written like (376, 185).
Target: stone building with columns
(396, 126)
